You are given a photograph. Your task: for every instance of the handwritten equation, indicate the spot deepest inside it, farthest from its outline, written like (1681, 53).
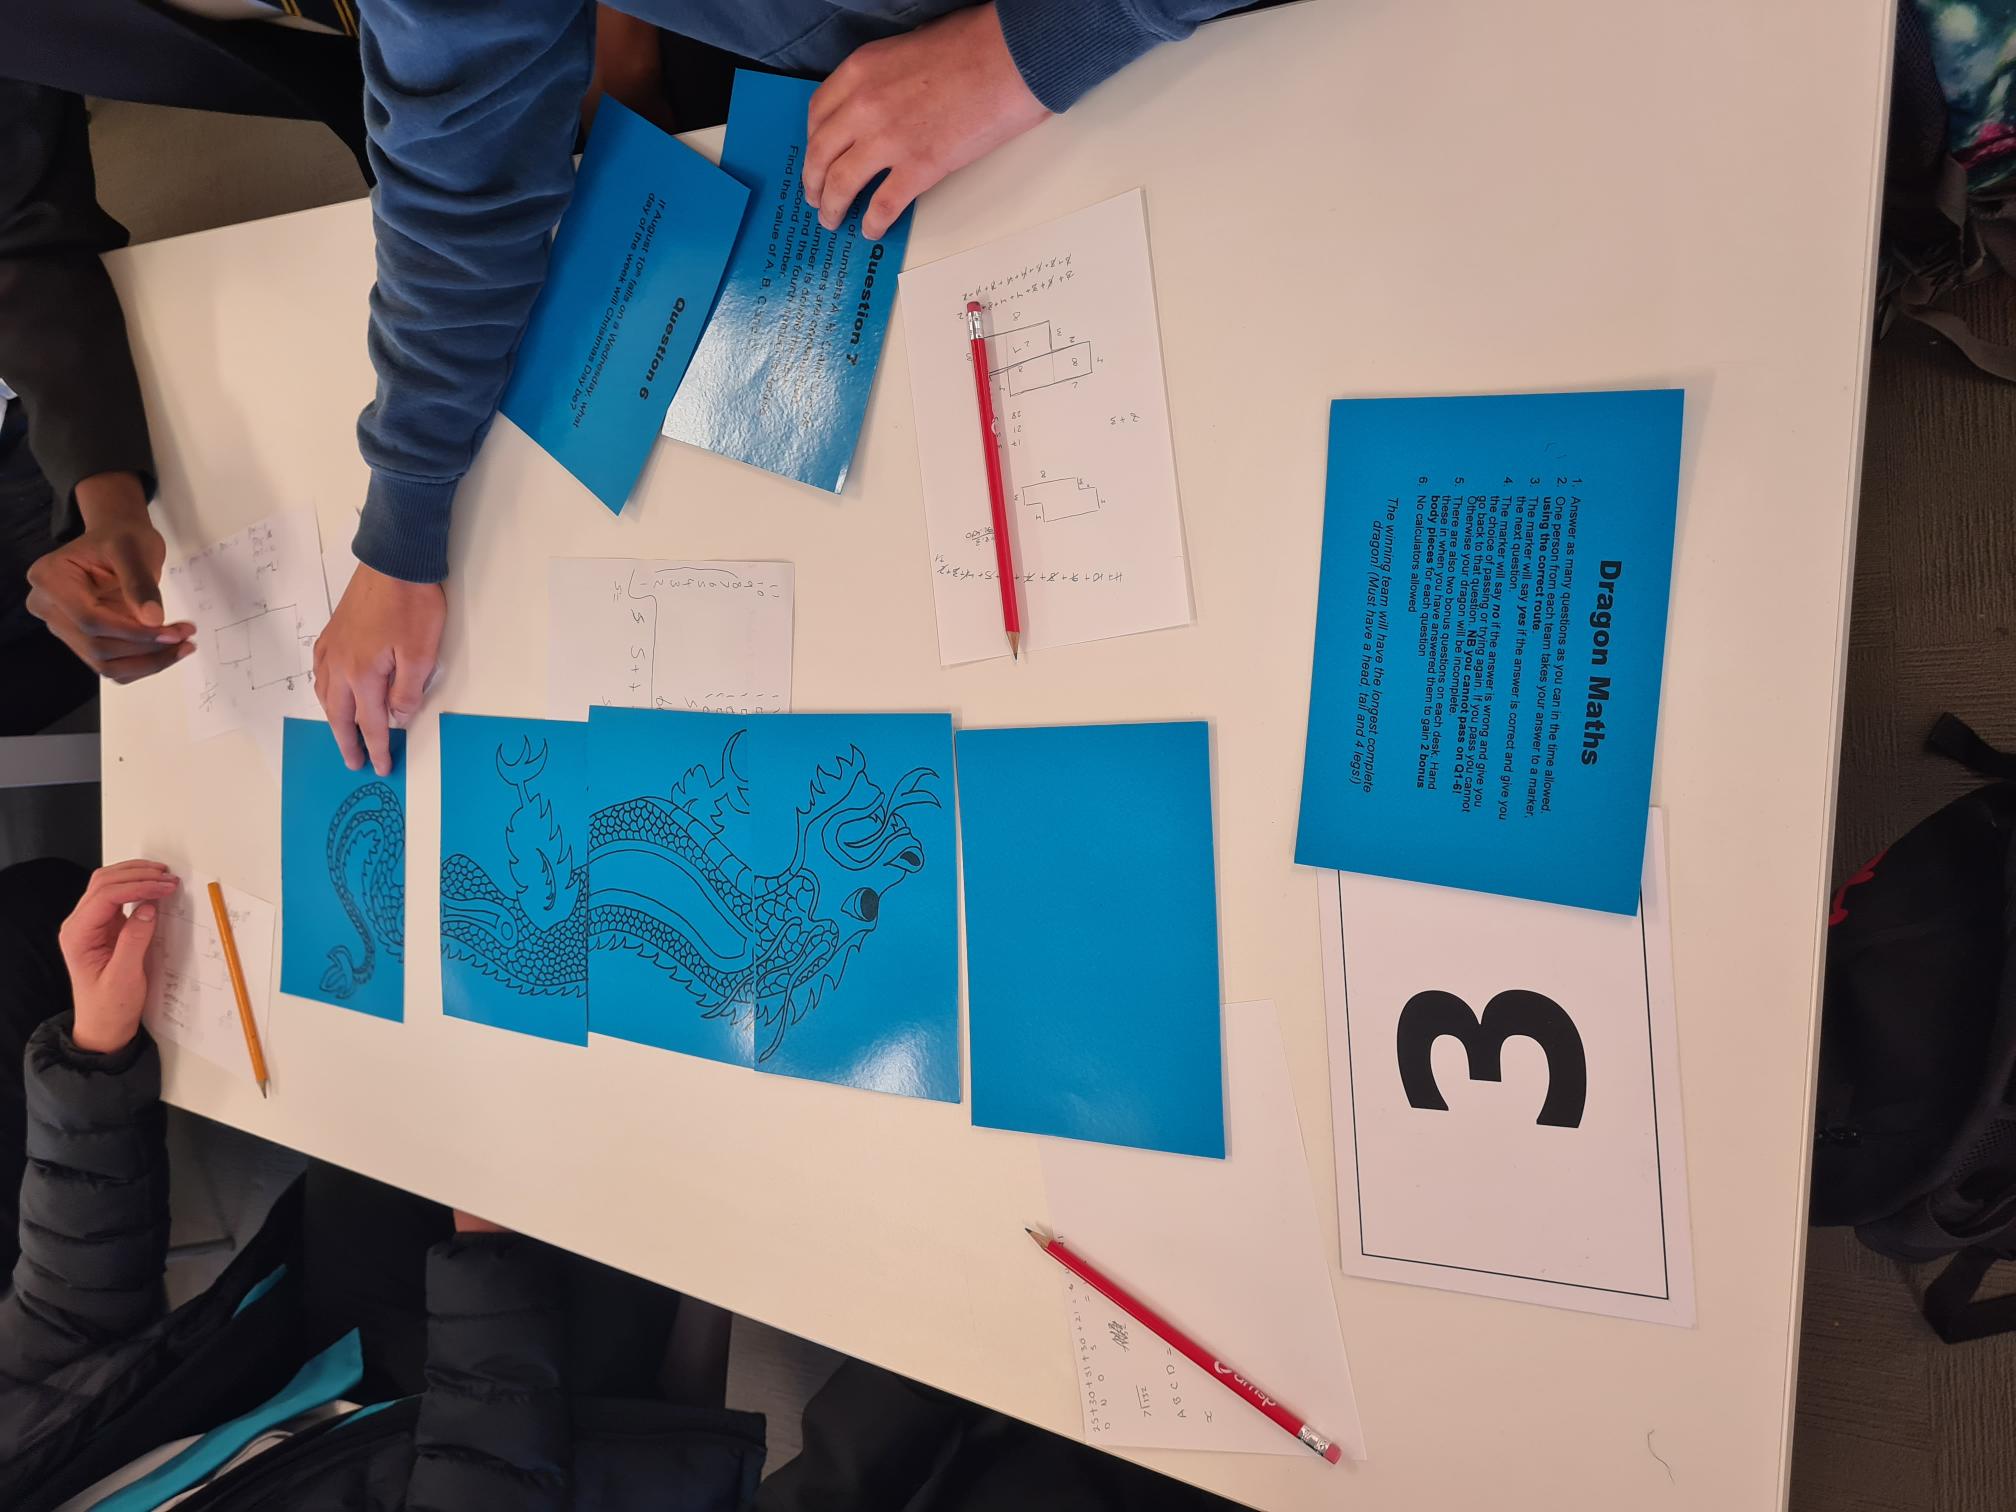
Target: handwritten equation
(189, 997)
(710, 637)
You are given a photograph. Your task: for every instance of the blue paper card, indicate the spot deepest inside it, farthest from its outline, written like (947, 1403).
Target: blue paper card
(634, 266)
(1092, 934)
(777, 891)
(782, 377)
(514, 874)
(342, 875)
(1490, 630)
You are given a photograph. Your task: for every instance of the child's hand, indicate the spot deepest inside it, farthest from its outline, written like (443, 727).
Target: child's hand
(100, 594)
(373, 660)
(920, 105)
(105, 949)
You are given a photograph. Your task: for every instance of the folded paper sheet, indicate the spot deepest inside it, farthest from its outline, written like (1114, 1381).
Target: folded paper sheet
(342, 875)
(778, 892)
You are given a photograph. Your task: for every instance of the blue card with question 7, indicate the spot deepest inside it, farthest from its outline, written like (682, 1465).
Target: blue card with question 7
(782, 377)
(634, 266)
(1490, 633)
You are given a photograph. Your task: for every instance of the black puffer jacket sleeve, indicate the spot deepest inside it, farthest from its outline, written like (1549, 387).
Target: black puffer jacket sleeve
(94, 1205)
(494, 1429)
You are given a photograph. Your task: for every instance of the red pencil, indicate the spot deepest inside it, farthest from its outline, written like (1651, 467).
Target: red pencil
(990, 444)
(1240, 1386)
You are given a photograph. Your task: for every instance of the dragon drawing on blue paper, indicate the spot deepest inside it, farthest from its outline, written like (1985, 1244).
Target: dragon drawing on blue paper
(531, 936)
(747, 945)
(367, 842)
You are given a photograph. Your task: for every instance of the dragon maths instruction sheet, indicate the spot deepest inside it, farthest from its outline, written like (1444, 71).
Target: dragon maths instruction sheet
(1490, 631)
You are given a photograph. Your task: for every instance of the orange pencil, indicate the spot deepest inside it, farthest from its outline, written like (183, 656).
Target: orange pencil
(238, 986)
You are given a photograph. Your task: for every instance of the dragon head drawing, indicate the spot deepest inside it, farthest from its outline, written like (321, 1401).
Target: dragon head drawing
(855, 845)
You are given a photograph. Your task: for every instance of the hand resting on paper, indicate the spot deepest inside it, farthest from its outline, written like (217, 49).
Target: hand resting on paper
(921, 105)
(100, 594)
(105, 949)
(373, 660)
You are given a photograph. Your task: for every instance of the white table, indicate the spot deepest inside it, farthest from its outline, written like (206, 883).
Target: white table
(1344, 198)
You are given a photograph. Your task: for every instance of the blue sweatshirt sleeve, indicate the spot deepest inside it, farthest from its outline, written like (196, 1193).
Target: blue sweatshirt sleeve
(472, 111)
(1064, 47)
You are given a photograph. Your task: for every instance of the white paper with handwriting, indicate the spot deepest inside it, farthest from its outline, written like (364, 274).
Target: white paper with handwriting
(712, 637)
(258, 600)
(1076, 361)
(1229, 1250)
(189, 998)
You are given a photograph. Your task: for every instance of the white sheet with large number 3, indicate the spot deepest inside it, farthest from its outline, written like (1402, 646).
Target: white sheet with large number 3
(1506, 1082)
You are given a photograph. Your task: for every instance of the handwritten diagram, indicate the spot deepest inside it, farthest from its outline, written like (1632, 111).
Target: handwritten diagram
(1060, 498)
(258, 601)
(1034, 356)
(701, 637)
(1075, 361)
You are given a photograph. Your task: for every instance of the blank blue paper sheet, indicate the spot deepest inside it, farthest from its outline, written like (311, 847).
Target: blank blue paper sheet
(782, 377)
(1092, 934)
(777, 891)
(1490, 629)
(514, 874)
(634, 267)
(342, 875)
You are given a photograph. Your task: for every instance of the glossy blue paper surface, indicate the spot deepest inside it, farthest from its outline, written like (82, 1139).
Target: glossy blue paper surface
(1490, 630)
(782, 377)
(514, 874)
(342, 875)
(778, 891)
(1092, 934)
(635, 264)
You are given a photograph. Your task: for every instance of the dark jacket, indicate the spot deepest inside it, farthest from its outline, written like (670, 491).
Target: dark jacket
(94, 1371)
(62, 335)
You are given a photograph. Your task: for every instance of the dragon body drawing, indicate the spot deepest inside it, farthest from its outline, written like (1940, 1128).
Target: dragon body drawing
(667, 885)
(530, 935)
(367, 843)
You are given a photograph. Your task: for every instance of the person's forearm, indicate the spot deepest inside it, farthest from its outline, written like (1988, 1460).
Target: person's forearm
(472, 113)
(1064, 47)
(112, 500)
(94, 1202)
(62, 335)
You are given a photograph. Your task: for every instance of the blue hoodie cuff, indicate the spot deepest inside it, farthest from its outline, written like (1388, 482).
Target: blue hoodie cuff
(1064, 47)
(403, 531)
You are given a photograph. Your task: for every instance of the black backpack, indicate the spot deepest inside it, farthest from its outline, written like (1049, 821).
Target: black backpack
(1915, 1124)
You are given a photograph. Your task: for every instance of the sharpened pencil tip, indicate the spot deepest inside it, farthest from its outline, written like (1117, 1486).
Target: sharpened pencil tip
(1015, 644)
(1041, 1242)
(262, 1089)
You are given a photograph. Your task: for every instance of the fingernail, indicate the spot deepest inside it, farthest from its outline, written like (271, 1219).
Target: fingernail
(144, 913)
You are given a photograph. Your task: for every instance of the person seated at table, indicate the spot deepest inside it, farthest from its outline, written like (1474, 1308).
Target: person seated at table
(470, 110)
(79, 549)
(526, 1376)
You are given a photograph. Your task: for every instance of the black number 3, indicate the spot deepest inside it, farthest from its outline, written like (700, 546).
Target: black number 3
(1430, 1015)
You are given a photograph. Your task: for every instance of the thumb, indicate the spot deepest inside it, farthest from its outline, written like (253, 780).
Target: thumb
(129, 951)
(136, 579)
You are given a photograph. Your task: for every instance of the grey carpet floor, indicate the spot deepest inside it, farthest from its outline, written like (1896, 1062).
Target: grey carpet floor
(1890, 1419)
